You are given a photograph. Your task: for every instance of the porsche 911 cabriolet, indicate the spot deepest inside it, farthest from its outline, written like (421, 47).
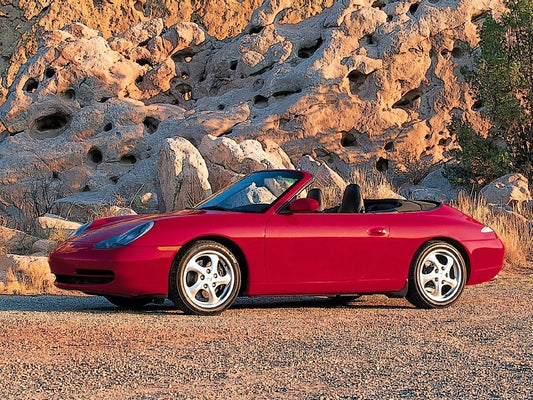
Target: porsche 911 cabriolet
(269, 235)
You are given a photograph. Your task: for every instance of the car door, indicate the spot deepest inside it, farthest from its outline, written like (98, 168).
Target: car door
(317, 253)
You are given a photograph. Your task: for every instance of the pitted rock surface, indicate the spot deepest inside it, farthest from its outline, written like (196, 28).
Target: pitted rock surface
(358, 83)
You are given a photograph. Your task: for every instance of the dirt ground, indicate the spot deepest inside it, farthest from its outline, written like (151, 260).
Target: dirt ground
(81, 347)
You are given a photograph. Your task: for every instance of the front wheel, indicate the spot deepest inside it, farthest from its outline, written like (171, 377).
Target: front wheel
(437, 276)
(205, 280)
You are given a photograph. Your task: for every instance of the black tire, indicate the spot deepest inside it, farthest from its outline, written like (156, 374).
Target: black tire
(131, 303)
(437, 275)
(196, 287)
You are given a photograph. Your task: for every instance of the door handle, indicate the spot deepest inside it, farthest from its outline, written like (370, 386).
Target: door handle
(378, 231)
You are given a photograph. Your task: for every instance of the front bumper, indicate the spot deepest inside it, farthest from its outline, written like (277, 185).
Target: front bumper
(126, 271)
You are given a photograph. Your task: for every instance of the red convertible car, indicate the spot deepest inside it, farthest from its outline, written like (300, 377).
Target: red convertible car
(267, 234)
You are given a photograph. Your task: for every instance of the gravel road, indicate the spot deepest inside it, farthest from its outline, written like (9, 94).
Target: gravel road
(81, 347)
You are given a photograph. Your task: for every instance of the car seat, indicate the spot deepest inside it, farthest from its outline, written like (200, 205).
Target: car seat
(316, 194)
(352, 200)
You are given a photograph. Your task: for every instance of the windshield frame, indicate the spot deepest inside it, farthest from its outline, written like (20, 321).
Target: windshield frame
(217, 200)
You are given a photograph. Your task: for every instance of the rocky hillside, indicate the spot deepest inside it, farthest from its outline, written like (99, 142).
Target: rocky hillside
(137, 115)
(23, 22)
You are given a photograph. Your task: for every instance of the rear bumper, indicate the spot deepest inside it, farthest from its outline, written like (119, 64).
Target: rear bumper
(127, 271)
(486, 259)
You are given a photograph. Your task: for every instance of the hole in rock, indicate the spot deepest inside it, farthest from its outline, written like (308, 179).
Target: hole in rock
(184, 55)
(260, 101)
(285, 93)
(348, 139)
(108, 127)
(139, 79)
(357, 79)
(128, 159)
(184, 76)
(378, 4)
(31, 85)
(306, 52)
(143, 61)
(70, 94)
(413, 8)
(113, 179)
(444, 52)
(445, 142)
(254, 30)
(478, 105)
(233, 65)
(52, 122)
(457, 52)
(185, 91)
(103, 99)
(55, 175)
(408, 99)
(86, 188)
(221, 107)
(95, 155)
(49, 72)
(139, 6)
(382, 165)
(144, 43)
(370, 40)
(151, 124)
(389, 146)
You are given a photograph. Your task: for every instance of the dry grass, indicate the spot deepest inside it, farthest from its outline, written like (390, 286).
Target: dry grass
(514, 228)
(374, 185)
(59, 235)
(34, 278)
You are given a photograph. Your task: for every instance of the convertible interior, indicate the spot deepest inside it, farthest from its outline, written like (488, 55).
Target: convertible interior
(353, 202)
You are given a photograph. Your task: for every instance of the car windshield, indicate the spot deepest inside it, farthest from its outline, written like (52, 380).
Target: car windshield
(254, 193)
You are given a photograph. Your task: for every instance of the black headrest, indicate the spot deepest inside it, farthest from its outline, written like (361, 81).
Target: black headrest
(316, 194)
(352, 200)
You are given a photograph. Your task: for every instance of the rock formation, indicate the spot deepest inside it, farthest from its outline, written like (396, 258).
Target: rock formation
(24, 21)
(360, 83)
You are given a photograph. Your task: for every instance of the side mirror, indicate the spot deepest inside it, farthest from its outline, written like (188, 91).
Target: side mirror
(305, 205)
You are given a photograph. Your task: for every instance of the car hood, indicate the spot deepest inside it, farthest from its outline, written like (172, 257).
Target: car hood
(104, 228)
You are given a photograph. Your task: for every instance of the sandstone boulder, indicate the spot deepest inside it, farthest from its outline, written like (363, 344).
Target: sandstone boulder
(437, 180)
(227, 159)
(419, 192)
(182, 174)
(331, 183)
(50, 223)
(13, 240)
(86, 206)
(511, 189)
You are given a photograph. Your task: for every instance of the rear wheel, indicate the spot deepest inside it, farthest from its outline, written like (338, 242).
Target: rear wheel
(205, 280)
(437, 276)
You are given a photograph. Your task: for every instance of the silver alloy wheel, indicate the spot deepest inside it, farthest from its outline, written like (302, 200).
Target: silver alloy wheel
(440, 275)
(208, 279)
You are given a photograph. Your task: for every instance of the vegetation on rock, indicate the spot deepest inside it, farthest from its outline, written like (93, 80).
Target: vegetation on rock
(502, 82)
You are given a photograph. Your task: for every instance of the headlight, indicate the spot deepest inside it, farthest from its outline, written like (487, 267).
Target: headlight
(81, 229)
(126, 238)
